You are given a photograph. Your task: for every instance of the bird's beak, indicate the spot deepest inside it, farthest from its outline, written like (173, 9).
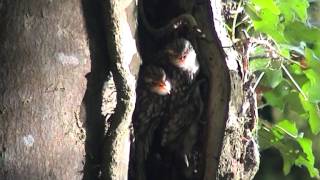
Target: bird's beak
(168, 86)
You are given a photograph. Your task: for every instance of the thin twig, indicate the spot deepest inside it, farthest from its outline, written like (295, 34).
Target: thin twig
(293, 81)
(258, 80)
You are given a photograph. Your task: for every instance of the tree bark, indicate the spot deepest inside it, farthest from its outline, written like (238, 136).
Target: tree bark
(120, 29)
(232, 150)
(48, 48)
(44, 57)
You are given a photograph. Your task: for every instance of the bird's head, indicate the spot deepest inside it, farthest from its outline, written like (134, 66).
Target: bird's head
(156, 80)
(181, 54)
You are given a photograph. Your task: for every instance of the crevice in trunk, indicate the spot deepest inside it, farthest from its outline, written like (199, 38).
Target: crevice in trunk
(93, 119)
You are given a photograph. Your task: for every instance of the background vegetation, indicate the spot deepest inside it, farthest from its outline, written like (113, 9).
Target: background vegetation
(281, 40)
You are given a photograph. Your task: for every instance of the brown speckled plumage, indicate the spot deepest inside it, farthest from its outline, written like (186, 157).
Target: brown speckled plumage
(166, 125)
(149, 112)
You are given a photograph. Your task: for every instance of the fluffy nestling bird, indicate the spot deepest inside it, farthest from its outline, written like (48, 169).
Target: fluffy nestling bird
(178, 132)
(152, 96)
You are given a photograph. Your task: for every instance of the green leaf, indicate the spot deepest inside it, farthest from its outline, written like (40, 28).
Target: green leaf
(251, 11)
(294, 149)
(272, 78)
(316, 50)
(259, 64)
(284, 51)
(296, 69)
(276, 97)
(293, 102)
(270, 25)
(314, 115)
(297, 32)
(288, 126)
(312, 59)
(292, 9)
(277, 136)
(288, 161)
(312, 87)
(274, 100)
(266, 138)
(267, 4)
(308, 161)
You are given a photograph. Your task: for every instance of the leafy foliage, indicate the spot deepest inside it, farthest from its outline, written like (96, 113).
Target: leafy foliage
(284, 51)
(294, 148)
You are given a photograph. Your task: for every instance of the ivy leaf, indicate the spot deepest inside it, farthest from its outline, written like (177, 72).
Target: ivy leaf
(308, 161)
(266, 138)
(288, 126)
(284, 51)
(293, 103)
(259, 64)
(251, 11)
(267, 4)
(314, 115)
(276, 97)
(294, 149)
(270, 25)
(312, 60)
(297, 32)
(293, 8)
(288, 160)
(312, 87)
(296, 69)
(316, 50)
(272, 78)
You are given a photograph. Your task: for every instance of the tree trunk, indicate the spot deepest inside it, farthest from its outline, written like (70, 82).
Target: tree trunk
(44, 57)
(46, 91)
(236, 147)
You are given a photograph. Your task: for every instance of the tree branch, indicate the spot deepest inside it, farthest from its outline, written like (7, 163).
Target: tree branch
(122, 51)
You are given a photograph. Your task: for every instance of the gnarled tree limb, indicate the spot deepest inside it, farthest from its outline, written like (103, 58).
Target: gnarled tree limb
(122, 51)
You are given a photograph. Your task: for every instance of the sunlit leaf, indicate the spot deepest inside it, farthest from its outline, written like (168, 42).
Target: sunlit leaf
(293, 9)
(284, 23)
(258, 64)
(314, 115)
(312, 59)
(296, 69)
(252, 12)
(312, 88)
(288, 126)
(270, 25)
(308, 161)
(267, 4)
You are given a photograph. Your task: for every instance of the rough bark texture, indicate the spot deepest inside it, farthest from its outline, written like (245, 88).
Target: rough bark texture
(231, 151)
(44, 57)
(120, 30)
(239, 155)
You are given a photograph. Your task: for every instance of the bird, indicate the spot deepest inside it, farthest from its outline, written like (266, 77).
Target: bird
(182, 55)
(153, 90)
(185, 97)
(177, 133)
(165, 120)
